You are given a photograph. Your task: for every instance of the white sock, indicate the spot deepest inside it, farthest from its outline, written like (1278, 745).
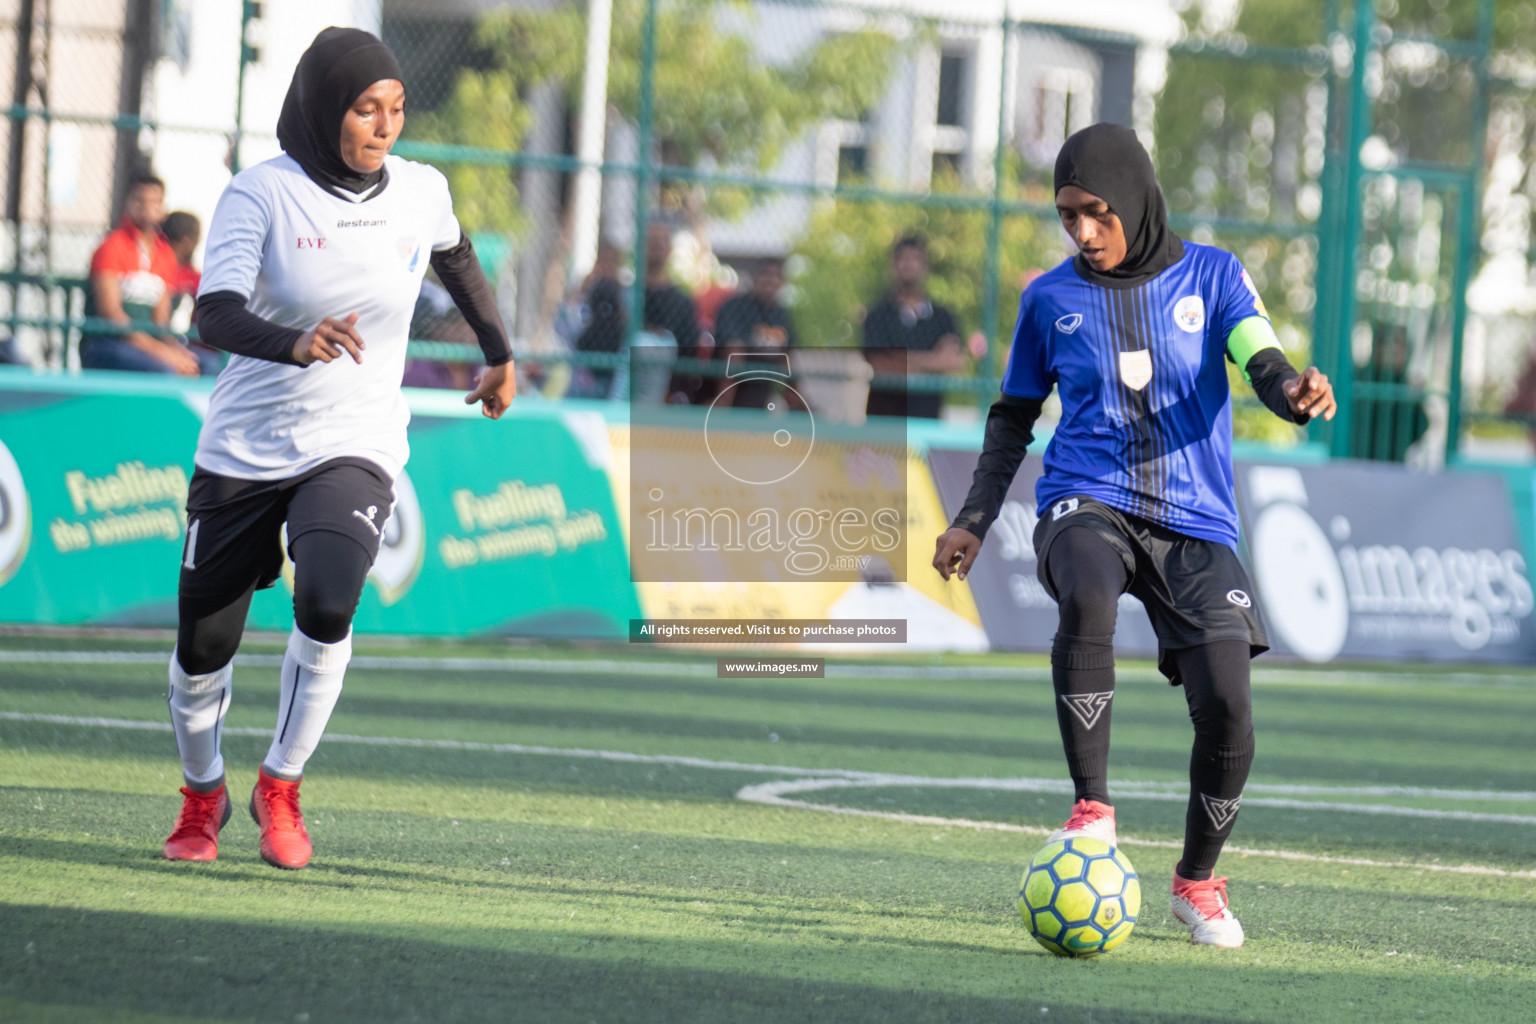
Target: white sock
(311, 682)
(198, 705)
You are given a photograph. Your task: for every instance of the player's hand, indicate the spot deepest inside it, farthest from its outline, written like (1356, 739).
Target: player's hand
(494, 389)
(330, 338)
(1311, 394)
(956, 545)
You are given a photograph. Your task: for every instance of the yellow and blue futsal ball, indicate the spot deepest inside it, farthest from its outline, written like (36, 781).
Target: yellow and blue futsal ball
(1080, 897)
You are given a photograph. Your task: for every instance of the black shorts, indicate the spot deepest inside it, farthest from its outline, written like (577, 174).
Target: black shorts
(1195, 591)
(234, 527)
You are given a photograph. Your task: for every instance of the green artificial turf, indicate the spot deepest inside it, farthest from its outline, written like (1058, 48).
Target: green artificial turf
(483, 883)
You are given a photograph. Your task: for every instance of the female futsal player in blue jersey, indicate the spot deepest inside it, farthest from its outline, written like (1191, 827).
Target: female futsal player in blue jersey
(1134, 333)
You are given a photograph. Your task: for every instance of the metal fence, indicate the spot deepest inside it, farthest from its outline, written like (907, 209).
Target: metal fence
(1369, 161)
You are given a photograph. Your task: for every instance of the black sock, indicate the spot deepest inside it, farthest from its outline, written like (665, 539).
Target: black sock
(1086, 575)
(1083, 673)
(1215, 678)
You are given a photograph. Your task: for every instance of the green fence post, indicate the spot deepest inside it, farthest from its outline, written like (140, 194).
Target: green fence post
(1359, 128)
(250, 10)
(643, 169)
(1326, 274)
(1468, 242)
(992, 293)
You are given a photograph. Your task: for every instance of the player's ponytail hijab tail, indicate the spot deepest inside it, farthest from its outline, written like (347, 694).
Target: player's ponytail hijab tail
(338, 67)
(1110, 162)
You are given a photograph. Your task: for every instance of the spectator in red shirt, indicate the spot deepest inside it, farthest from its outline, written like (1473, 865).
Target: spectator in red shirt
(183, 230)
(131, 277)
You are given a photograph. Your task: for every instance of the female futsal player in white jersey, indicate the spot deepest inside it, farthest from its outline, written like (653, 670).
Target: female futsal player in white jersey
(314, 262)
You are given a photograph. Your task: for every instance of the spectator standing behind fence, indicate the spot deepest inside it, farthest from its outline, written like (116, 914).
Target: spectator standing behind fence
(906, 332)
(598, 309)
(669, 309)
(752, 323)
(1385, 425)
(707, 303)
(132, 275)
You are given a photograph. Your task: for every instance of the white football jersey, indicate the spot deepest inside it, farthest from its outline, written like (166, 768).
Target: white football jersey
(301, 254)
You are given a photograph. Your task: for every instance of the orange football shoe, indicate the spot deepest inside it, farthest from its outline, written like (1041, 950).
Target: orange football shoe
(275, 807)
(196, 835)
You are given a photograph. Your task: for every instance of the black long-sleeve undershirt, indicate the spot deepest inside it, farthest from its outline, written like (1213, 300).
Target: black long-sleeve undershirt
(465, 282)
(224, 322)
(1008, 434)
(1270, 372)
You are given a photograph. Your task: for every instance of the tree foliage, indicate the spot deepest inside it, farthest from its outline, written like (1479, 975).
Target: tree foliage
(844, 260)
(1247, 138)
(716, 100)
(1243, 139)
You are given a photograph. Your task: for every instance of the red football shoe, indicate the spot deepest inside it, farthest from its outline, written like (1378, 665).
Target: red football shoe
(1203, 906)
(196, 835)
(275, 807)
(1089, 818)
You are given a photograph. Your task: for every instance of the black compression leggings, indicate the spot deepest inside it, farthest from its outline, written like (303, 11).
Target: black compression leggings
(1089, 576)
(329, 572)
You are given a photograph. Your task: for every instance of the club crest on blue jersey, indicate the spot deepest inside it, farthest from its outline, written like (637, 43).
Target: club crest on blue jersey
(1136, 368)
(1069, 323)
(1189, 314)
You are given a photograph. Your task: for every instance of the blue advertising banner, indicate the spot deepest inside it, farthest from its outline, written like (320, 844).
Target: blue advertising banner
(1350, 560)
(1363, 560)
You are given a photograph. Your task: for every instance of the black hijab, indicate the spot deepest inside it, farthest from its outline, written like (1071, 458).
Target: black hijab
(338, 67)
(1109, 161)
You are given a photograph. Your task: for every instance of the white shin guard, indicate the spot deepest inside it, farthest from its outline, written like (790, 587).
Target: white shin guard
(198, 705)
(311, 683)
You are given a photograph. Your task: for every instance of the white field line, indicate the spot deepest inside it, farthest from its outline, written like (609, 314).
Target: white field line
(851, 776)
(772, 792)
(812, 779)
(763, 794)
(646, 667)
(440, 744)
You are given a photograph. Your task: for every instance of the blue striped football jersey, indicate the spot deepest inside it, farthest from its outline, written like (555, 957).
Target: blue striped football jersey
(1146, 411)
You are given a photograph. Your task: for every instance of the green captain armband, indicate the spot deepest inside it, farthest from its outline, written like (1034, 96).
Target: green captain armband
(1248, 339)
